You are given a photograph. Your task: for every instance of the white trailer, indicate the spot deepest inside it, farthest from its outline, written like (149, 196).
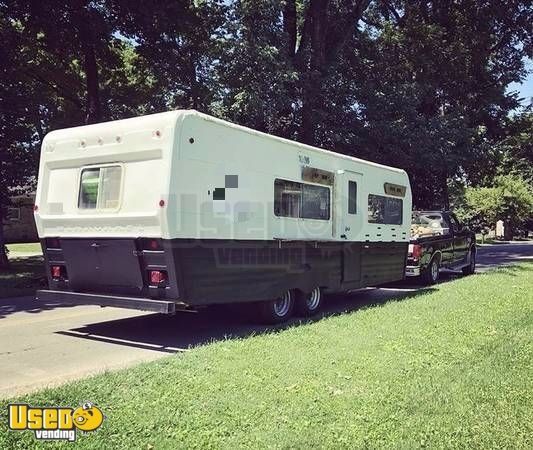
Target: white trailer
(180, 209)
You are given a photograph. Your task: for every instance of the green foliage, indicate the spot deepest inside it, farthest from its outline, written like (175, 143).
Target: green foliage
(446, 368)
(510, 199)
(418, 85)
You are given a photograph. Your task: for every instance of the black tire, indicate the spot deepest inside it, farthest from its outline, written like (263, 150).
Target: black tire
(471, 268)
(432, 271)
(308, 304)
(278, 310)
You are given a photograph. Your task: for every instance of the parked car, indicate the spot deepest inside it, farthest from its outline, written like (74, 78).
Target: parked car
(439, 240)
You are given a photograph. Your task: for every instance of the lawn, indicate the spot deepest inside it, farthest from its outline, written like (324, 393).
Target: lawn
(449, 367)
(24, 276)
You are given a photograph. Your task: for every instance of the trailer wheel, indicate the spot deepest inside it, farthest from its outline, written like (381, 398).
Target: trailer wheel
(277, 310)
(431, 274)
(308, 304)
(471, 268)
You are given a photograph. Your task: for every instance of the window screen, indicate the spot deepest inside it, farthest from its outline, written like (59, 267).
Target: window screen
(385, 210)
(100, 188)
(305, 201)
(352, 197)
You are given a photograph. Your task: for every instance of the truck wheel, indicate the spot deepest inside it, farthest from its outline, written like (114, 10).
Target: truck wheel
(277, 310)
(308, 304)
(431, 274)
(471, 268)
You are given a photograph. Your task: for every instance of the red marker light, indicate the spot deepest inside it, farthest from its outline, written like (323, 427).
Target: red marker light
(162, 203)
(56, 271)
(417, 251)
(157, 277)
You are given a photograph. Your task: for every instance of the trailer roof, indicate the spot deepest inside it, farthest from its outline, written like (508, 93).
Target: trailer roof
(69, 133)
(284, 140)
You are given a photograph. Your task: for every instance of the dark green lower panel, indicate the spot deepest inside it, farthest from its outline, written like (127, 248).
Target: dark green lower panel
(239, 271)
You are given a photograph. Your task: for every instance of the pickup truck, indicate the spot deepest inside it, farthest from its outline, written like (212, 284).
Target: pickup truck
(439, 240)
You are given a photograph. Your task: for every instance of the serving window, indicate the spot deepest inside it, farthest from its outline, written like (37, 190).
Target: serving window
(385, 210)
(301, 200)
(100, 187)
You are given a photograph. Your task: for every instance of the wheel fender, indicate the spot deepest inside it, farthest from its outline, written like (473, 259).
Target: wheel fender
(438, 255)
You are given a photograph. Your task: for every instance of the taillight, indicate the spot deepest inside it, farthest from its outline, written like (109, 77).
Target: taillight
(417, 251)
(158, 277)
(58, 272)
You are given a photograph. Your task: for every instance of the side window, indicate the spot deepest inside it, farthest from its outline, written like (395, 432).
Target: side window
(315, 202)
(299, 200)
(287, 198)
(385, 210)
(352, 197)
(100, 188)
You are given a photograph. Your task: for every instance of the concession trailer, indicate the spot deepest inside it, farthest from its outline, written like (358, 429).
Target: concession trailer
(179, 210)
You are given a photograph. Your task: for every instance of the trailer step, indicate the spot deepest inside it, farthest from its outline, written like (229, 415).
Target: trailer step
(77, 298)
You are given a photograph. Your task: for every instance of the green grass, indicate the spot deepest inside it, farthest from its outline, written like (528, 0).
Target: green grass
(24, 277)
(449, 368)
(30, 247)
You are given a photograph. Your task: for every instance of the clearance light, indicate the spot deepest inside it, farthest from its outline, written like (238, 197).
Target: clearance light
(162, 203)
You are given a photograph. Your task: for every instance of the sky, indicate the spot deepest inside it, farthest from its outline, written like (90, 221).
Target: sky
(525, 89)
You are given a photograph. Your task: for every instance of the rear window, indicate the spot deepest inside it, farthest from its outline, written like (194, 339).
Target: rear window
(100, 187)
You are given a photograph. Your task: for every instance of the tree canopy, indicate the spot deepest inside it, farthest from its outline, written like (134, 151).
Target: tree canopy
(417, 84)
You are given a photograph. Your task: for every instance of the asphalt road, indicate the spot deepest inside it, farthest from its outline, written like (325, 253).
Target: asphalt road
(48, 344)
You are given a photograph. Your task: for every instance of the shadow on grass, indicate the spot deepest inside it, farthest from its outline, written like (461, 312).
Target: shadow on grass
(183, 331)
(171, 334)
(18, 284)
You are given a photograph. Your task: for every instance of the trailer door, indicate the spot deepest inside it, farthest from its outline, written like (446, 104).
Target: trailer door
(348, 206)
(349, 222)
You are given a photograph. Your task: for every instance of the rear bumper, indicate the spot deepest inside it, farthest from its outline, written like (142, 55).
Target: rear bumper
(143, 304)
(412, 271)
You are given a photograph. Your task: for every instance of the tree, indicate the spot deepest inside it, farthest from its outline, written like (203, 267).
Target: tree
(43, 87)
(178, 41)
(20, 120)
(510, 199)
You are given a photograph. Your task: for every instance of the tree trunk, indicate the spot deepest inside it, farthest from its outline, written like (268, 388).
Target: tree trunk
(91, 76)
(290, 26)
(194, 90)
(318, 52)
(4, 262)
(310, 94)
(508, 231)
(314, 72)
(445, 194)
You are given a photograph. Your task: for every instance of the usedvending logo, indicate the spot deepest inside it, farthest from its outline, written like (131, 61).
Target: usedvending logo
(53, 423)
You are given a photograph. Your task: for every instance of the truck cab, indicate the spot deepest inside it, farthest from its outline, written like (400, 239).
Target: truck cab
(439, 241)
